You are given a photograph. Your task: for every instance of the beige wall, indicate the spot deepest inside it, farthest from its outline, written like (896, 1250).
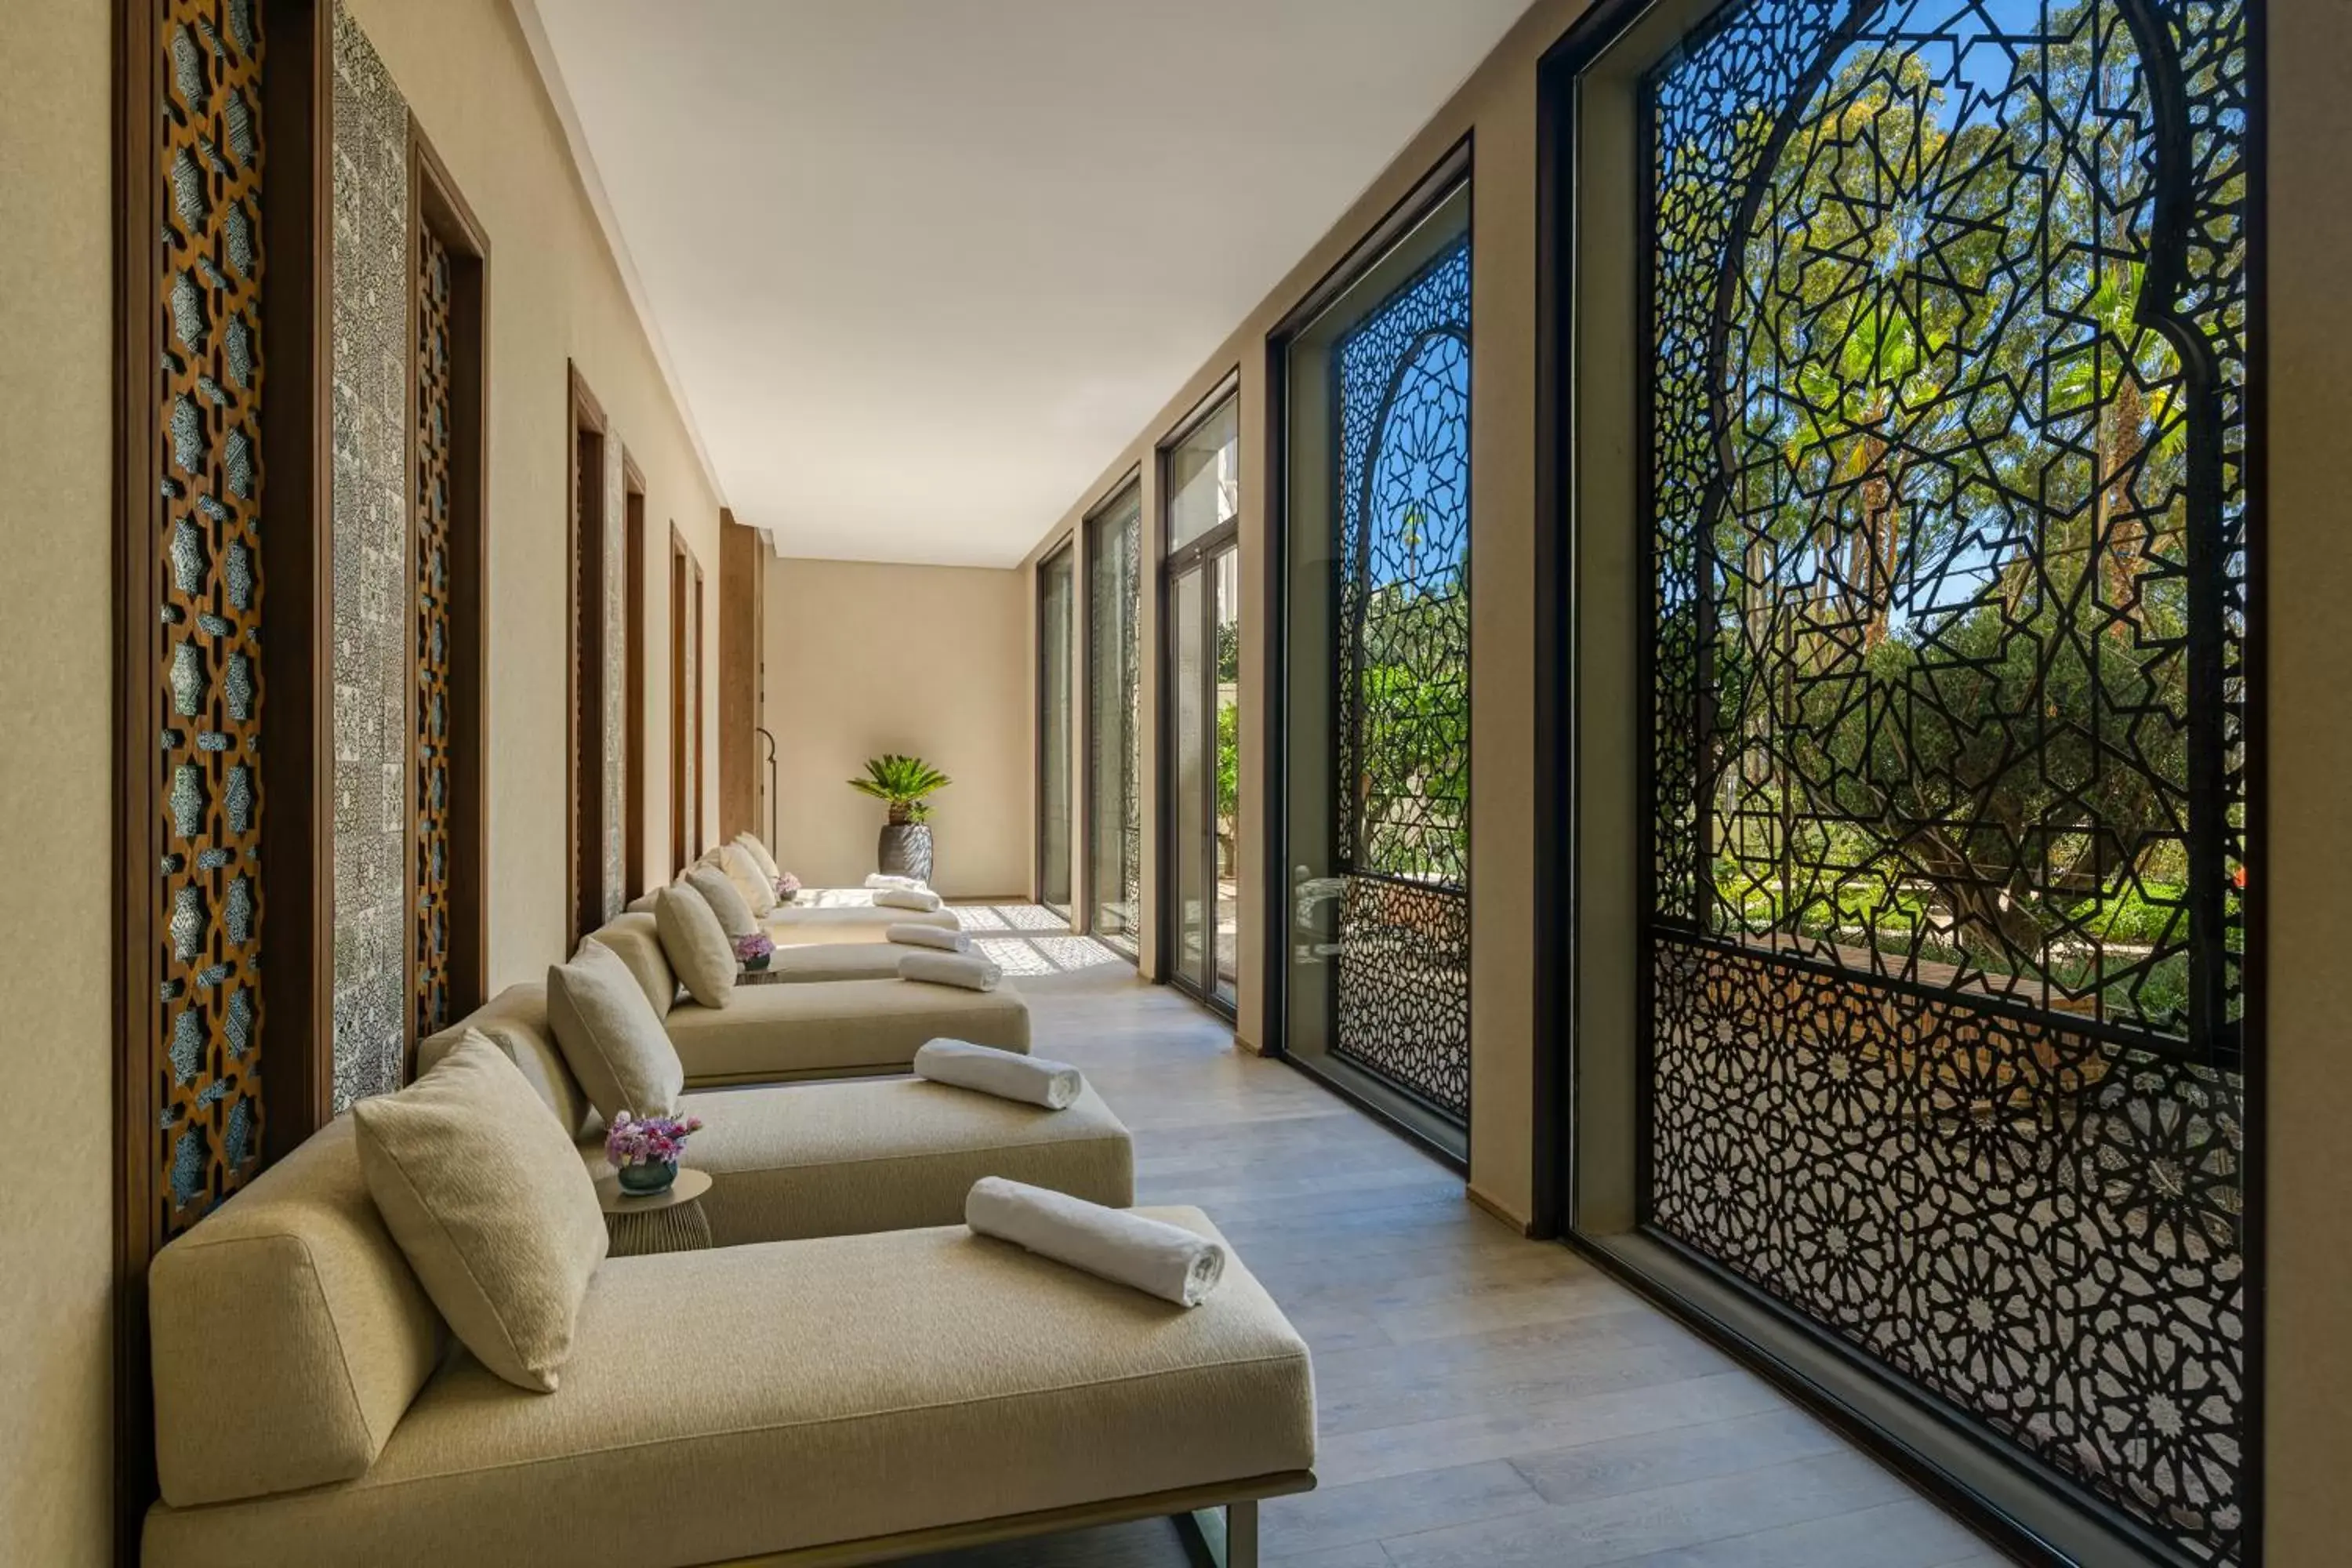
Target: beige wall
(1497, 105)
(56, 659)
(555, 294)
(929, 660)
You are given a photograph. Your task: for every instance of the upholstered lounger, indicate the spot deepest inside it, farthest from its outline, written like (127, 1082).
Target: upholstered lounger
(801, 925)
(854, 1398)
(832, 1159)
(838, 961)
(796, 926)
(826, 1029)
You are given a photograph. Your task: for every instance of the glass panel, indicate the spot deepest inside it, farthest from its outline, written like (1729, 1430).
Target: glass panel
(1114, 720)
(1189, 777)
(1056, 635)
(1227, 850)
(1947, 841)
(1376, 760)
(1205, 476)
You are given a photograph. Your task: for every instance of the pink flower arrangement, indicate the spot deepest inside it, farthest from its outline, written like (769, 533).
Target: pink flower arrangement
(787, 886)
(754, 949)
(649, 1140)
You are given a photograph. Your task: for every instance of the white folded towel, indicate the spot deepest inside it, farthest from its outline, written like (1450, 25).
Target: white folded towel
(880, 880)
(946, 940)
(967, 970)
(907, 898)
(1158, 1258)
(1008, 1075)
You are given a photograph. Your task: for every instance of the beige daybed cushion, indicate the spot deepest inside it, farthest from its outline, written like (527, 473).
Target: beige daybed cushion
(753, 1399)
(695, 945)
(288, 1334)
(838, 961)
(611, 1035)
(794, 925)
(635, 940)
(516, 1021)
(841, 1159)
(490, 1206)
(836, 1028)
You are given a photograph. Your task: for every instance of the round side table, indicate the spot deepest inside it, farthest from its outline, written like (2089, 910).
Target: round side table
(669, 1221)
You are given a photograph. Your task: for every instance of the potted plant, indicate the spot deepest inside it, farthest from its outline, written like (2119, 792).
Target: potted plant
(902, 784)
(645, 1150)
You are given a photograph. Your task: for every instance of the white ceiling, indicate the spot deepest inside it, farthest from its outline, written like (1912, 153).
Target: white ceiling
(923, 267)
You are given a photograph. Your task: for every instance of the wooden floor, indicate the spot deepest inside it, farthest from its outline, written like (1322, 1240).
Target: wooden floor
(1485, 1401)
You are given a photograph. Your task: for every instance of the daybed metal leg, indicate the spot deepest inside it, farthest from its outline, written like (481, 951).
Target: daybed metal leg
(1222, 1537)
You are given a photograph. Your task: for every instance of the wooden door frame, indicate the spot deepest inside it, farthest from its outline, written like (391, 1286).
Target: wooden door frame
(435, 204)
(635, 682)
(583, 751)
(293, 1031)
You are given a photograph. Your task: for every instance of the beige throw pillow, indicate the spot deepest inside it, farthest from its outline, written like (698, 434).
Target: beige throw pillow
(491, 1205)
(751, 845)
(617, 1048)
(759, 893)
(697, 945)
(717, 891)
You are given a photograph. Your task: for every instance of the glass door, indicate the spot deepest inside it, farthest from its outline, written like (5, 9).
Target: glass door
(1203, 781)
(1114, 829)
(1057, 608)
(1374, 989)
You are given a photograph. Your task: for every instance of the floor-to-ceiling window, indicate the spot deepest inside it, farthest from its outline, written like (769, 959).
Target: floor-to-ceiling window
(1203, 585)
(1942, 993)
(1374, 766)
(1057, 611)
(1114, 546)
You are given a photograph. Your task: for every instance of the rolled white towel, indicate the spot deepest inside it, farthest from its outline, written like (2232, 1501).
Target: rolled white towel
(877, 880)
(1008, 1075)
(1158, 1258)
(919, 898)
(967, 970)
(946, 940)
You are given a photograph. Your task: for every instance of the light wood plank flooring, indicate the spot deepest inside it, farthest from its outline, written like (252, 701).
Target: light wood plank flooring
(1485, 1401)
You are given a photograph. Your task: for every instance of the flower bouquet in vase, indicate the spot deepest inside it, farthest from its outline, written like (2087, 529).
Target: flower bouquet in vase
(645, 1150)
(754, 951)
(788, 888)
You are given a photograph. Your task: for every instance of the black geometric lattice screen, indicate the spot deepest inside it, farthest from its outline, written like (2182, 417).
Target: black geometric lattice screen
(205, 778)
(1401, 385)
(1948, 839)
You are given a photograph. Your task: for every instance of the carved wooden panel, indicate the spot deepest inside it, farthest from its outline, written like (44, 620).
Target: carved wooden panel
(435, 560)
(205, 781)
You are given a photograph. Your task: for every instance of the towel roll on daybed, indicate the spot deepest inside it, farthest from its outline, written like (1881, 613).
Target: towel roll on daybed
(1146, 1255)
(946, 940)
(1007, 1075)
(967, 970)
(920, 900)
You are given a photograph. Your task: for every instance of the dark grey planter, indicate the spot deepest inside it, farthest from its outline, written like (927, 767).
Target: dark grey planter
(904, 851)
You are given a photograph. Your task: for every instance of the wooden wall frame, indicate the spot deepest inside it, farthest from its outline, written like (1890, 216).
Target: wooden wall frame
(685, 717)
(743, 624)
(438, 208)
(583, 794)
(636, 681)
(292, 1031)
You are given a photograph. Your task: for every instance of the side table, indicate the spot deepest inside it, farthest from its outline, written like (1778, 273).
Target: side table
(667, 1221)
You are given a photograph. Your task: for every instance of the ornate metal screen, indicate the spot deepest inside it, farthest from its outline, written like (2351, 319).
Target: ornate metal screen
(430, 985)
(1115, 719)
(1947, 870)
(1400, 386)
(207, 777)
